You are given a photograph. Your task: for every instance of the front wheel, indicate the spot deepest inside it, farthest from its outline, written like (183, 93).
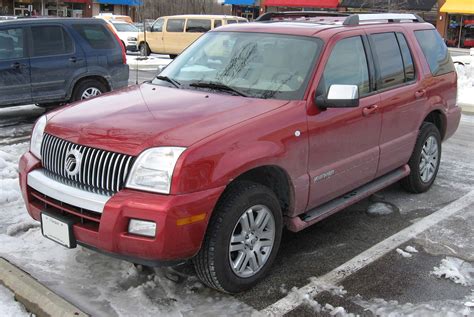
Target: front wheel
(242, 240)
(424, 161)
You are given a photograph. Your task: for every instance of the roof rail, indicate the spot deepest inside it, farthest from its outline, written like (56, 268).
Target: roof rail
(356, 19)
(269, 16)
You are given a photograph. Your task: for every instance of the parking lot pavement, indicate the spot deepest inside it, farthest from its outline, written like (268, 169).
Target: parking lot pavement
(108, 287)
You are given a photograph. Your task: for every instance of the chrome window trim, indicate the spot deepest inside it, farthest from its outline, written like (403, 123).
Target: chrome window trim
(39, 181)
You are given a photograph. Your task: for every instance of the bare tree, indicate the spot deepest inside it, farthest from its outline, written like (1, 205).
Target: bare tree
(152, 9)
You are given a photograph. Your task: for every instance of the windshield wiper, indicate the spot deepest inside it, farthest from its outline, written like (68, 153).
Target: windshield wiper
(170, 80)
(217, 86)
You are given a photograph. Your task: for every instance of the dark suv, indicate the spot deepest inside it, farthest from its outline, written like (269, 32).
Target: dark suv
(52, 61)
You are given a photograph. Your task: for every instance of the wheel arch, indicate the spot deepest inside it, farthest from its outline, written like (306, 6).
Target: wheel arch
(439, 119)
(273, 177)
(99, 78)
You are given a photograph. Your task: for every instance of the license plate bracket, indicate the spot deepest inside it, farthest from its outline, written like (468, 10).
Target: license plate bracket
(58, 229)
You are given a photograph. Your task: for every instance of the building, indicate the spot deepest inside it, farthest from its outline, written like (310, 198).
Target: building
(285, 5)
(455, 22)
(67, 8)
(248, 9)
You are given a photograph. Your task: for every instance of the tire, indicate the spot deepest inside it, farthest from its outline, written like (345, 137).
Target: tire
(426, 154)
(92, 87)
(213, 262)
(144, 49)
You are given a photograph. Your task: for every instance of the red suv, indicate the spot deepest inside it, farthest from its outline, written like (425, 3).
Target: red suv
(254, 128)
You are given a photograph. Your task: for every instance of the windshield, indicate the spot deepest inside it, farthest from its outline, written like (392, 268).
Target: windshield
(125, 27)
(257, 65)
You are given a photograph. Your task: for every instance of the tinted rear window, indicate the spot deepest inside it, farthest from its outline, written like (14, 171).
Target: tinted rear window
(435, 51)
(96, 35)
(50, 40)
(198, 26)
(407, 57)
(390, 62)
(175, 25)
(231, 21)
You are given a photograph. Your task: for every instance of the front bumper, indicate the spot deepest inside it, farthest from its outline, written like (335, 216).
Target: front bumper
(102, 221)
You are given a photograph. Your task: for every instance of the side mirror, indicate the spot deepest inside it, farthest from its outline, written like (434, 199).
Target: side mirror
(339, 96)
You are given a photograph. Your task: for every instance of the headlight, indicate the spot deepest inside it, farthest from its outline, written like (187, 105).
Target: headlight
(133, 39)
(37, 136)
(153, 169)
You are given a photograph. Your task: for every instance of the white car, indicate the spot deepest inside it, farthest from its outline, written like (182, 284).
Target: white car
(128, 34)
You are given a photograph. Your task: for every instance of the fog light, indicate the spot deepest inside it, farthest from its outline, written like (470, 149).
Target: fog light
(142, 228)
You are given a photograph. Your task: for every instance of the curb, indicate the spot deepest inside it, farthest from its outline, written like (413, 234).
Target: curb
(36, 298)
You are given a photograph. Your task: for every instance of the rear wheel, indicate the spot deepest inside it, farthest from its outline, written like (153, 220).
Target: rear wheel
(424, 162)
(87, 89)
(242, 240)
(144, 49)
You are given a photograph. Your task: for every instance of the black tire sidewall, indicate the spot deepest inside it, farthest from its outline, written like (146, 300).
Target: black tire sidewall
(427, 131)
(86, 84)
(228, 280)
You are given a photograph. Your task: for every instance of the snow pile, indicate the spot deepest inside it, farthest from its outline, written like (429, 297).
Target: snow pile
(465, 83)
(9, 188)
(150, 63)
(392, 308)
(380, 209)
(8, 306)
(457, 270)
(308, 300)
(403, 253)
(407, 253)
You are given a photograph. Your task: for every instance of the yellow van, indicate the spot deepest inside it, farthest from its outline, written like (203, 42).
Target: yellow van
(172, 34)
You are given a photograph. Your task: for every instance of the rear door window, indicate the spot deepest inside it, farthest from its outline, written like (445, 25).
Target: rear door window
(217, 23)
(175, 25)
(389, 60)
(96, 35)
(435, 51)
(231, 21)
(198, 26)
(50, 40)
(407, 58)
(347, 65)
(11, 44)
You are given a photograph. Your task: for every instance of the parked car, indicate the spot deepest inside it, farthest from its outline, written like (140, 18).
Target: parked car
(252, 129)
(53, 61)
(172, 34)
(128, 34)
(114, 17)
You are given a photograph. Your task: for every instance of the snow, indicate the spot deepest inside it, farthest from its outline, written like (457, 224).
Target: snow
(150, 63)
(8, 306)
(456, 270)
(380, 209)
(465, 83)
(403, 253)
(411, 249)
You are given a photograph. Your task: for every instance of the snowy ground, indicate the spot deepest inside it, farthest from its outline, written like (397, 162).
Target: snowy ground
(430, 275)
(8, 306)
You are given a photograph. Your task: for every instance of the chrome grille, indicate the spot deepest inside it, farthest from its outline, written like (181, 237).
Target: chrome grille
(99, 169)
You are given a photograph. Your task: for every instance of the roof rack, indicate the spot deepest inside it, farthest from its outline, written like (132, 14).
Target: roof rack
(270, 16)
(356, 19)
(351, 19)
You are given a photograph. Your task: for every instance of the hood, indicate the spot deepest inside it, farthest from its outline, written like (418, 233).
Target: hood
(139, 117)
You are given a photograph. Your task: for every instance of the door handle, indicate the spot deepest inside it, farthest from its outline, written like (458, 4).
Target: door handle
(420, 93)
(369, 110)
(17, 65)
(73, 59)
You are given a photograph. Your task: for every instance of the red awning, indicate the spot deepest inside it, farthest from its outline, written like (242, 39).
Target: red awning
(303, 3)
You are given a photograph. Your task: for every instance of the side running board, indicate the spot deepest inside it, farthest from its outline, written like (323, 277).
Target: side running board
(319, 213)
